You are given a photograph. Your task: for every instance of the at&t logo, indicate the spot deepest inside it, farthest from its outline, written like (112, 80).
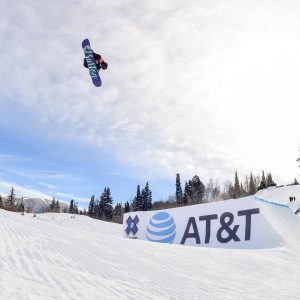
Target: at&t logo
(161, 228)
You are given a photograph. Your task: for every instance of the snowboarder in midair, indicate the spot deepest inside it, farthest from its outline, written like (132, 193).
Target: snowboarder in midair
(99, 61)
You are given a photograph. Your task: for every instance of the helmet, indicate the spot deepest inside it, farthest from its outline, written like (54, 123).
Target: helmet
(104, 65)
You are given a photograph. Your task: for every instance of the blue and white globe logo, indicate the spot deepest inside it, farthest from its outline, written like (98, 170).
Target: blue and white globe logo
(161, 228)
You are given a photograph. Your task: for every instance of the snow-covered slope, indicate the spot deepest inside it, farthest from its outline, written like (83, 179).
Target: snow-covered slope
(282, 194)
(54, 256)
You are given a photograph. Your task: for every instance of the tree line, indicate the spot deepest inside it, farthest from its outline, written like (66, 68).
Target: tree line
(194, 192)
(10, 202)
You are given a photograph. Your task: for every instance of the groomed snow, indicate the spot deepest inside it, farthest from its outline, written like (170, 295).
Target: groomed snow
(54, 256)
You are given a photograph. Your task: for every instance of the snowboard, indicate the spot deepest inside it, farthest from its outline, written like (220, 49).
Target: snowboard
(88, 53)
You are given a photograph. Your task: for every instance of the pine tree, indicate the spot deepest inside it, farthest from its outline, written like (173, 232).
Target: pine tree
(10, 202)
(149, 201)
(246, 185)
(21, 207)
(231, 190)
(252, 188)
(101, 205)
(208, 190)
(295, 182)
(52, 205)
(143, 200)
(263, 183)
(146, 198)
(269, 180)
(118, 210)
(188, 193)
(126, 207)
(198, 190)
(97, 209)
(1, 203)
(117, 213)
(137, 202)
(242, 191)
(76, 210)
(71, 207)
(237, 189)
(57, 207)
(216, 192)
(108, 205)
(178, 193)
(91, 211)
(185, 199)
(105, 210)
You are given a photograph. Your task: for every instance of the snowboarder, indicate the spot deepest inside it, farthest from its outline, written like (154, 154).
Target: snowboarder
(99, 61)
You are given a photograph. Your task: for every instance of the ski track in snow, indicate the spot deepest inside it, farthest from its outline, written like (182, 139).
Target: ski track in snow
(54, 256)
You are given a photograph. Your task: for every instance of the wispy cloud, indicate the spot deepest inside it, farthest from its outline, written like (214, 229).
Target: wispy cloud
(40, 174)
(74, 197)
(5, 188)
(47, 185)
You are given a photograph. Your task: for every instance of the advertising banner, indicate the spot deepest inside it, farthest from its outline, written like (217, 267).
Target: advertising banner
(237, 223)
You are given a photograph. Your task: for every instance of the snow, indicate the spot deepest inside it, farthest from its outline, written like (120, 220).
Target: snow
(54, 256)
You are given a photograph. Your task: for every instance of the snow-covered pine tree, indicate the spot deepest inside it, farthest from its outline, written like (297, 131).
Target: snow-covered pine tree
(188, 193)
(198, 190)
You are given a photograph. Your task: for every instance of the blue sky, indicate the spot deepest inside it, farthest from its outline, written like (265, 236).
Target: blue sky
(63, 168)
(205, 88)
